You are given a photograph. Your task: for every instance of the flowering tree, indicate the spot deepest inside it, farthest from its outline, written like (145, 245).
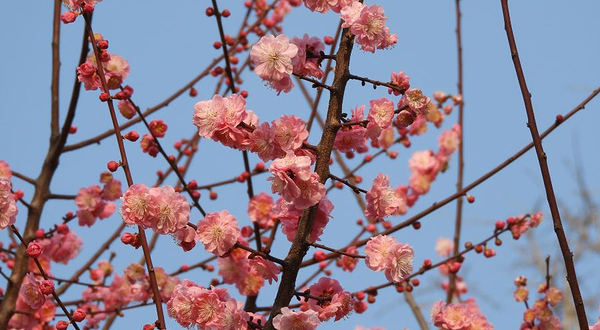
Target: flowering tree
(291, 211)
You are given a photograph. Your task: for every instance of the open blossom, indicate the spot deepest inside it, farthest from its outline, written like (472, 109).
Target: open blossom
(266, 268)
(351, 13)
(381, 112)
(218, 232)
(162, 209)
(79, 4)
(306, 60)
(370, 30)
(62, 247)
(382, 200)
(385, 253)
(272, 58)
(5, 171)
(348, 263)
(31, 292)
(192, 305)
(116, 70)
(336, 302)
(218, 119)
(92, 205)
(463, 315)
(449, 140)
(86, 74)
(416, 100)
(291, 320)
(290, 132)
(399, 262)
(8, 206)
(289, 217)
(323, 6)
(422, 162)
(260, 210)
(295, 181)
(349, 138)
(444, 247)
(401, 80)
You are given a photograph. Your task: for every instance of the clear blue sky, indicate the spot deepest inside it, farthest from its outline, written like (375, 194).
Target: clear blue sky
(559, 44)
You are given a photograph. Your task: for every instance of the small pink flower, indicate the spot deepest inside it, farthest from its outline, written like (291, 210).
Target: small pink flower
(401, 80)
(382, 200)
(260, 210)
(290, 132)
(377, 250)
(167, 210)
(116, 70)
(68, 17)
(336, 302)
(112, 190)
(381, 112)
(263, 143)
(62, 247)
(369, 28)
(31, 292)
(294, 180)
(444, 247)
(416, 101)
(8, 207)
(158, 128)
(266, 268)
(251, 283)
(126, 109)
(306, 60)
(289, 217)
(420, 183)
(86, 73)
(449, 140)
(399, 263)
(351, 13)
(5, 171)
(135, 204)
(291, 320)
(272, 57)
(218, 232)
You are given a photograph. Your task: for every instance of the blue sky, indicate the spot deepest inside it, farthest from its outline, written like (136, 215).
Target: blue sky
(168, 45)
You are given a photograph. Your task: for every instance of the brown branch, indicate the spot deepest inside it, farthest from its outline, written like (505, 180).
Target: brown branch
(542, 159)
(54, 92)
(24, 177)
(376, 83)
(300, 245)
(125, 165)
(356, 189)
(461, 149)
(414, 307)
(324, 247)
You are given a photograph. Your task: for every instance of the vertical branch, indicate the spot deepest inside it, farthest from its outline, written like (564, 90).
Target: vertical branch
(142, 235)
(55, 69)
(300, 245)
(410, 300)
(542, 159)
(461, 159)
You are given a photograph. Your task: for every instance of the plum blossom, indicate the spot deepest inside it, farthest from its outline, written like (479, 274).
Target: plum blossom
(382, 200)
(463, 315)
(86, 74)
(218, 232)
(380, 116)
(62, 247)
(350, 138)
(272, 58)
(323, 6)
(218, 119)
(289, 217)
(416, 100)
(370, 30)
(335, 301)
(31, 292)
(291, 320)
(260, 210)
(444, 247)
(385, 253)
(5, 171)
(8, 206)
(401, 80)
(295, 181)
(306, 60)
(266, 268)
(449, 140)
(351, 13)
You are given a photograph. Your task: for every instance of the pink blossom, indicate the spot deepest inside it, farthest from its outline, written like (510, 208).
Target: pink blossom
(349, 138)
(419, 183)
(351, 13)
(116, 70)
(218, 119)
(464, 315)
(306, 60)
(369, 28)
(399, 262)
(401, 80)
(88, 199)
(8, 206)
(449, 140)
(126, 109)
(289, 217)
(323, 6)
(294, 180)
(272, 57)
(233, 317)
(348, 263)
(381, 112)
(167, 210)
(444, 247)
(335, 301)
(382, 200)
(416, 101)
(79, 4)
(422, 162)
(377, 250)
(232, 269)
(86, 73)
(218, 232)
(291, 320)
(62, 247)
(263, 143)
(251, 283)
(32, 293)
(266, 268)
(5, 171)
(290, 132)
(192, 305)
(112, 190)
(135, 204)
(260, 210)
(158, 128)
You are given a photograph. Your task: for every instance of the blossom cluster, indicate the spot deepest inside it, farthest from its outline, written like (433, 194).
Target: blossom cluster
(33, 303)
(162, 208)
(76, 8)
(329, 300)
(289, 216)
(94, 202)
(539, 315)
(192, 305)
(8, 206)
(295, 181)
(384, 253)
(116, 70)
(459, 316)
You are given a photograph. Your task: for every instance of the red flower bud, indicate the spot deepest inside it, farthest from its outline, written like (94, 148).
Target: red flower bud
(34, 249)
(47, 287)
(62, 325)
